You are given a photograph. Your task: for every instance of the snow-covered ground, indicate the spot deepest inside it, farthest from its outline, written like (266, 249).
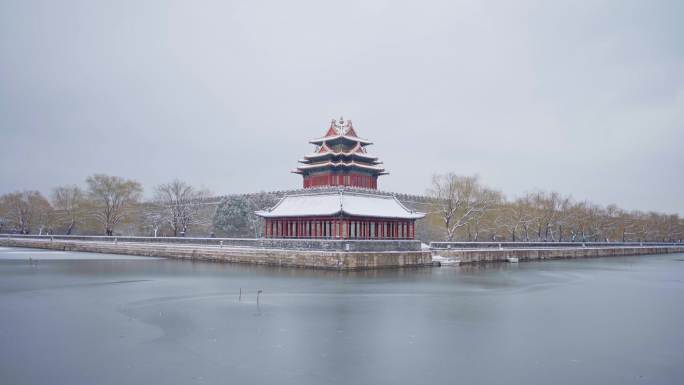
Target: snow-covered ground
(445, 261)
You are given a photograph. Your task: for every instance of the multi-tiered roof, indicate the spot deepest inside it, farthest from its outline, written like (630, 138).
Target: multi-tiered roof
(340, 158)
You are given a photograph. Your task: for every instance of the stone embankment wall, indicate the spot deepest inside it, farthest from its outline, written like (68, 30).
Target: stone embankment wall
(502, 255)
(321, 254)
(320, 259)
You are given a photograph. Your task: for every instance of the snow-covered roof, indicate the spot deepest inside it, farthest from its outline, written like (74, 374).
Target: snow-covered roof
(340, 136)
(373, 167)
(340, 202)
(340, 153)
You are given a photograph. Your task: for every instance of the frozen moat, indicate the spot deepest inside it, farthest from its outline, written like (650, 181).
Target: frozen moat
(79, 318)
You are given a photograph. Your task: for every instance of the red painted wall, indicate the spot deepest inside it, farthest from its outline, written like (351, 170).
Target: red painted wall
(349, 179)
(345, 228)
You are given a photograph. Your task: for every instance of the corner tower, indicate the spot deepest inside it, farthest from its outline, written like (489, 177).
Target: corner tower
(340, 158)
(340, 161)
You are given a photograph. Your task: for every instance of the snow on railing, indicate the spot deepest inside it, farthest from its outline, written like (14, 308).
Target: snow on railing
(513, 245)
(260, 243)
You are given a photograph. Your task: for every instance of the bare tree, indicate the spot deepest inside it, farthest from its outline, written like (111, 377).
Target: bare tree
(152, 218)
(516, 218)
(25, 210)
(68, 200)
(112, 197)
(180, 205)
(460, 200)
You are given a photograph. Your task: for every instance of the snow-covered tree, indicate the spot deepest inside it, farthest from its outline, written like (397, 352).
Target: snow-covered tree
(180, 205)
(460, 200)
(235, 214)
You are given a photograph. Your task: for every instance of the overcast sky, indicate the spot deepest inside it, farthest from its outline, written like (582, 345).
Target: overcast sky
(585, 98)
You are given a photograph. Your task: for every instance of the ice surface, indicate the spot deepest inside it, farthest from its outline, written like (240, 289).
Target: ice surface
(9, 254)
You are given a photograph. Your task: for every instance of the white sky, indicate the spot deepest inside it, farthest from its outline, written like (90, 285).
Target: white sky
(586, 98)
